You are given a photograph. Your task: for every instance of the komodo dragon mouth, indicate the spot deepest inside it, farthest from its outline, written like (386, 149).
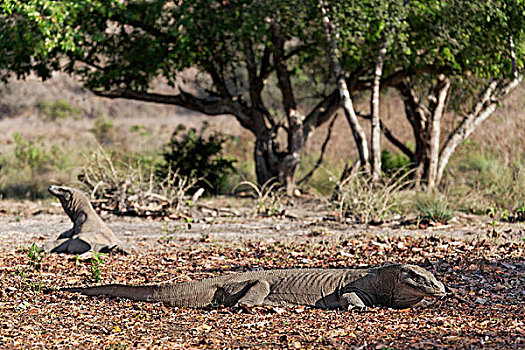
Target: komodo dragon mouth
(421, 282)
(58, 191)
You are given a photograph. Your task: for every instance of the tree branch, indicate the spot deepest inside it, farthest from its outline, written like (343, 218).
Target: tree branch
(390, 136)
(487, 104)
(283, 76)
(211, 106)
(400, 76)
(321, 113)
(265, 63)
(145, 27)
(323, 150)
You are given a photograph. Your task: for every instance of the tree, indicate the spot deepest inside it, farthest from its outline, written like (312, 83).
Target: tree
(367, 29)
(469, 50)
(242, 50)
(445, 53)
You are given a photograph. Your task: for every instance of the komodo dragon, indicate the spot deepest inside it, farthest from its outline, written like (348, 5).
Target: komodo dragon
(89, 232)
(396, 286)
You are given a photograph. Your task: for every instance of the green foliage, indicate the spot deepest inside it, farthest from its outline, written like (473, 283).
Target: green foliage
(96, 263)
(434, 206)
(29, 153)
(35, 256)
(25, 172)
(194, 155)
(103, 131)
(139, 129)
(59, 109)
(394, 163)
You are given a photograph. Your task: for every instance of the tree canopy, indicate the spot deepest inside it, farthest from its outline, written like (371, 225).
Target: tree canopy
(259, 60)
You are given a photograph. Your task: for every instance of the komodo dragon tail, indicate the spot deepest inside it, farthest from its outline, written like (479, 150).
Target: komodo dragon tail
(137, 293)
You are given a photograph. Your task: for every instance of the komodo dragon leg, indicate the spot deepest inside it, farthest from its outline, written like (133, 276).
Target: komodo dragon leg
(350, 301)
(245, 293)
(66, 245)
(256, 294)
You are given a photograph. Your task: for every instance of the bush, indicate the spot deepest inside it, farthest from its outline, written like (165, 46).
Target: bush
(357, 198)
(394, 163)
(103, 131)
(192, 155)
(26, 174)
(59, 109)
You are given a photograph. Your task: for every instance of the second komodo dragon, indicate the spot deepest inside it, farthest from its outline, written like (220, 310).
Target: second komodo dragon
(396, 286)
(89, 232)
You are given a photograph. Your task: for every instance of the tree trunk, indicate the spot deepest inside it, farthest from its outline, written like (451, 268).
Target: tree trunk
(295, 119)
(346, 101)
(417, 116)
(375, 141)
(271, 165)
(486, 105)
(438, 109)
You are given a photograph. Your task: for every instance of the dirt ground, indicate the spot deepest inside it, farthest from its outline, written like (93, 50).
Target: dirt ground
(482, 262)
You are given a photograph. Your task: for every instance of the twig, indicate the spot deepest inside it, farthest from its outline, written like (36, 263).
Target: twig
(323, 149)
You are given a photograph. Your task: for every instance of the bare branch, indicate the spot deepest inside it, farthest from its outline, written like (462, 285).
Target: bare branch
(390, 137)
(209, 106)
(323, 150)
(321, 113)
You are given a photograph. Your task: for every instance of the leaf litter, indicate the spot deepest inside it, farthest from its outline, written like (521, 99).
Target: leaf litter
(486, 307)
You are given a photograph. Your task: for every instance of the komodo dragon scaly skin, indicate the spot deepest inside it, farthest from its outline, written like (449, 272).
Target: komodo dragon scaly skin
(89, 232)
(395, 286)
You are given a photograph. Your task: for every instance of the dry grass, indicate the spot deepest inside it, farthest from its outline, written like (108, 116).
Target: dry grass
(143, 128)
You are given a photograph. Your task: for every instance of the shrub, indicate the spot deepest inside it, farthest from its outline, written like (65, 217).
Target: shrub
(59, 109)
(103, 131)
(192, 155)
(394, 163)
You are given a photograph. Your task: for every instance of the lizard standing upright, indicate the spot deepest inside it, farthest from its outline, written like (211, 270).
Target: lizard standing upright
(89, 232)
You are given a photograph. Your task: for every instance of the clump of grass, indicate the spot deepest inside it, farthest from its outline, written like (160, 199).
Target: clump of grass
(361, 200)
(433, 206)
(269, 197)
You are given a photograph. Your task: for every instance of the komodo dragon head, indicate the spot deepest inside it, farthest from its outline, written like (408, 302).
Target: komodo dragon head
(74, 202)
(413, 284)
